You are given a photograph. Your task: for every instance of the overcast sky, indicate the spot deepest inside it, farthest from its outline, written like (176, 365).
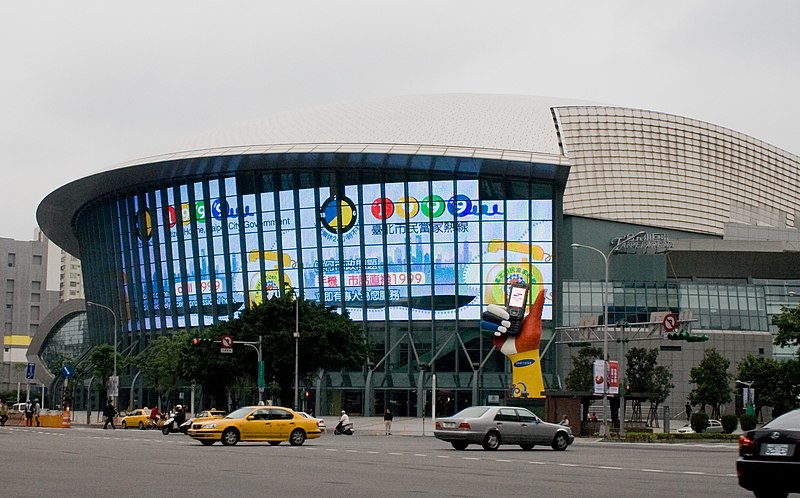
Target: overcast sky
(86, 85)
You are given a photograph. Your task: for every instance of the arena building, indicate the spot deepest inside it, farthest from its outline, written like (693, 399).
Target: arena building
(414, 213)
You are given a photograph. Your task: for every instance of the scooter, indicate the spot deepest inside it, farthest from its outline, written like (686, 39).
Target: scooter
(347, 430)
(172, 425)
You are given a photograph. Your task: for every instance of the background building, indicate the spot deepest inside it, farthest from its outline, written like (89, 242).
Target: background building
(28, 300)
(414, 213)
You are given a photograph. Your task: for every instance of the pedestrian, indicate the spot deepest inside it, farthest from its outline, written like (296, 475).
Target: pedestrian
(3, 412)
(565, 421)
(28, 413)
(108, 412)
(593, 418)
(37, 409)
(387, 421)
(688, 409)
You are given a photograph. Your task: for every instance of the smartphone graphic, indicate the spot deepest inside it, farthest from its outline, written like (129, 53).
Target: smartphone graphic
(517, 301)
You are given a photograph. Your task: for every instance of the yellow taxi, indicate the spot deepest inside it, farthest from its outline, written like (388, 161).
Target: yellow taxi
(204, 416)
(273, 424)
(137, 418)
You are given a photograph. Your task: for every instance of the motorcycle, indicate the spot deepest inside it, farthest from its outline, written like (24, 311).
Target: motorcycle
(175, 425)
(346, 430)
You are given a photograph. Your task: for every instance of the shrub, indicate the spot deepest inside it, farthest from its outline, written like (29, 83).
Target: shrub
(699, 421)
(748, 422)
(729, 423)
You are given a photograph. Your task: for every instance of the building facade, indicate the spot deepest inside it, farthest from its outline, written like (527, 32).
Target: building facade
(23, 272)
(414, 213)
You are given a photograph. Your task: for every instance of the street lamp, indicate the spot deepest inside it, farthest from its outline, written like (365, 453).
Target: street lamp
(604, 427)
(115, 341)
(296, 349)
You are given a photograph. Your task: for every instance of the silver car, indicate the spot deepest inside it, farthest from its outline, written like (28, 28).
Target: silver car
(491, 426)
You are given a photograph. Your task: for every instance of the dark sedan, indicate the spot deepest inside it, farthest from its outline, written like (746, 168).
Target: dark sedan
(491, 426)
(769, 459)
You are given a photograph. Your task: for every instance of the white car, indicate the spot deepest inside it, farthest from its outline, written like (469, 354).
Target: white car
(320, 422)
(714, 427)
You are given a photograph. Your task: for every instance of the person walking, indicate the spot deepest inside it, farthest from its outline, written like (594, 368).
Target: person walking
(108, 412)
(3, 412)
(688, 409)
(37, 409)
(28, 413)
(565, 421)
(387, 421)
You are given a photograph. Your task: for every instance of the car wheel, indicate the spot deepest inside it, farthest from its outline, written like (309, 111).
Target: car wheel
(207, 442)
(492, 441)
(141, 425)
(230, 436)
(274, 443)
(297, 437)
(560, 442)
(459, 445)
(770, 493)
(124, 425)
(526, 447)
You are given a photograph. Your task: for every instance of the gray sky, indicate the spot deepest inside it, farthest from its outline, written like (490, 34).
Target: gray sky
(86, 84)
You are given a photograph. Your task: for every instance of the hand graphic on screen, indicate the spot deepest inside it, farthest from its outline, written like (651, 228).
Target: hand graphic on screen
(522, 349)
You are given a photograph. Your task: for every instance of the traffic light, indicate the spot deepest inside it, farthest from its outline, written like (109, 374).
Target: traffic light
(697, 338)
(579, 344)
(308, 393)
(201, 340)
(678, 336)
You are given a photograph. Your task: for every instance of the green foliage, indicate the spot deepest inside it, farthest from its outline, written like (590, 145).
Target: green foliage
(699, 421)
(712, 380)
(776, 383)
(645, 376)
(788, 323)
(328, 340)
(729, 423)
(581, 377)
(748, 422)
(100, 363)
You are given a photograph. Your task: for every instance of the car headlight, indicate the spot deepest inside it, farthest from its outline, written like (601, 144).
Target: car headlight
(209, 426)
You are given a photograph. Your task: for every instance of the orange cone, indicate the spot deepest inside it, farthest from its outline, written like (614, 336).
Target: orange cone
(65, 420)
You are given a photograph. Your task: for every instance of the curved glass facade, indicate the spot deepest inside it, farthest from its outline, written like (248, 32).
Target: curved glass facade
(68, 341)
(411, 246)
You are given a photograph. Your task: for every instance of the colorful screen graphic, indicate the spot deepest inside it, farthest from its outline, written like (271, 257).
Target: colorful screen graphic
(418, 250)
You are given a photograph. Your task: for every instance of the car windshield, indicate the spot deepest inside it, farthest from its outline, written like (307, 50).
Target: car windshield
(471, 412)
(240, 413)
(789, 420)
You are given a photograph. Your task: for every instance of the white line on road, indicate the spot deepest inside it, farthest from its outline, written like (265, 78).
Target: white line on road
(605, 467)
(653, 470)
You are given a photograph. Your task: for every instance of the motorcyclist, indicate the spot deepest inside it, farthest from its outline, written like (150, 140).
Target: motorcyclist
(154, 414)
(180, 415)
(344, 422)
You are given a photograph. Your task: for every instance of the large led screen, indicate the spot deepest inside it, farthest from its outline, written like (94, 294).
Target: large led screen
(396, 251)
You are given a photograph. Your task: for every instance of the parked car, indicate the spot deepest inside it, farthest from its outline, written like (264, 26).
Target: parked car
(714, 427)
(137, 418)
(491, 426)
(273, 424)
(769, 457)
(320, 421)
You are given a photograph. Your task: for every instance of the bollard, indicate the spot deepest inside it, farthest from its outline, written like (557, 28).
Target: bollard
(65, 420)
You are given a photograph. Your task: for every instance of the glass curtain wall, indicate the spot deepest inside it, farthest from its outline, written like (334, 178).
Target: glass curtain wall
(413, 255)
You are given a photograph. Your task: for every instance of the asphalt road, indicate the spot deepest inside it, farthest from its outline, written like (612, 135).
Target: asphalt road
(89, 462)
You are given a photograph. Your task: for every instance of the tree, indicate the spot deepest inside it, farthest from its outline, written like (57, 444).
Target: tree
(644, 375)
(328, 340)
(713, 382)
(581, 377)
(788, 323)
(776, 383)
(101, 365)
